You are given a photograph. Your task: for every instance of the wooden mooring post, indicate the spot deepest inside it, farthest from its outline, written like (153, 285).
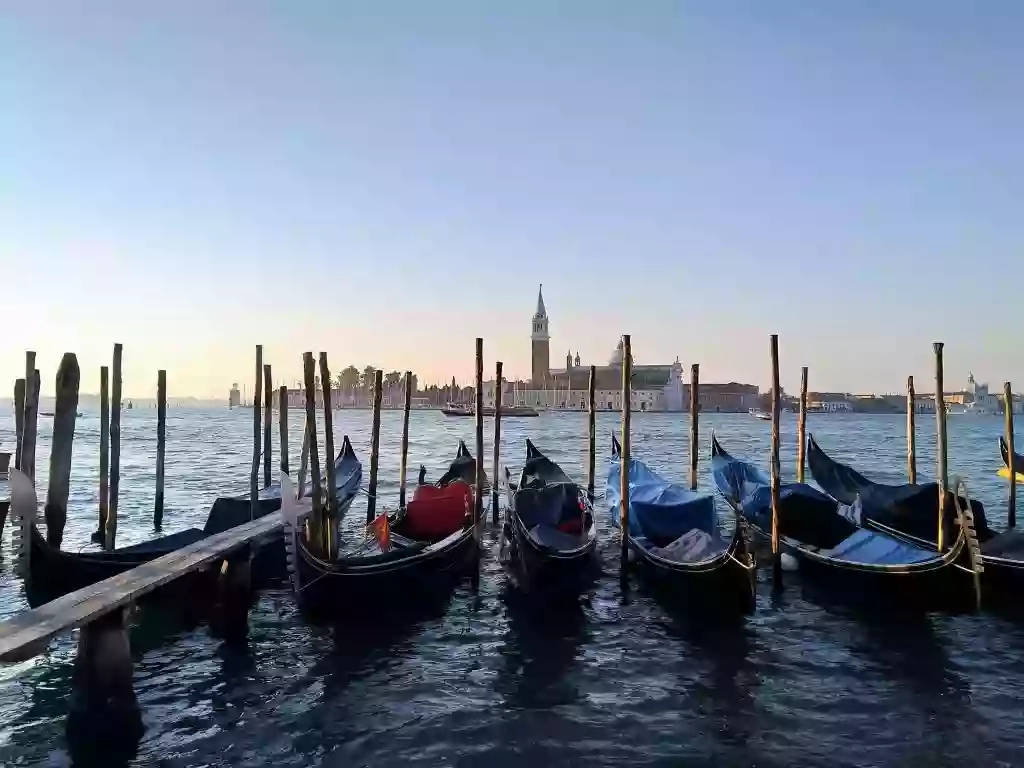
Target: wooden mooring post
(330, 530)
(911, 432)
(801, 428)
(19, 419)
(110, 532)
(28, 435)
(282, 424)
(64, 412)
(627, 376)
(99, 536)
(591, 433)
(694, 421)
(254, 471)
(1011, 509)
(304, 455)
(941, 446)
(371, 500)
(309, 383)
(479, 415)
(775, 465)
(161, 446)
(403, 467)
(496, 468)
(268, 423)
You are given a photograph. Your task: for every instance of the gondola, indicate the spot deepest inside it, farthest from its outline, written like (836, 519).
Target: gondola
(55, 572)
(676, 542)
(548, 536)
(911, 512)
(366, 577)
(832, 551)
(1018, 462)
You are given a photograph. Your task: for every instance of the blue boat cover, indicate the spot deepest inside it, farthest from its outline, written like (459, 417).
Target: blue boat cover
(659, 510)
(866, 546)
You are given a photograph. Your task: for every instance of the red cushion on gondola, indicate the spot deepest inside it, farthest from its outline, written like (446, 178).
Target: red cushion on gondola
(435, 513)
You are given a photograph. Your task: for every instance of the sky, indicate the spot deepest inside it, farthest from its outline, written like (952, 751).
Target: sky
(386, 181)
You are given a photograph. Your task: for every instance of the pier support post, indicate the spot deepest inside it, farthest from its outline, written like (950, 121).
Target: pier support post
(495, 497)
(403, 467)
(801, 428)
(268, 408)
(1011, 510)
(64, 413)
(330, 531)
(161, 446)
(775, 465)
(282, 425)
(104, 716)
(110, 535)
(591, 432)
(230, 620)
(479, 397)
(694, 421)
(624, 443)
(371, 500)
(941, 446)
(911, 432)
(19, 419)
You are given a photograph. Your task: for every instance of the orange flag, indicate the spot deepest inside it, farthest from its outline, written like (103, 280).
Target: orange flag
(381, 531)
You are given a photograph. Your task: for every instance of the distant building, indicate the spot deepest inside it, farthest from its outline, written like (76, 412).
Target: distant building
(234, 396)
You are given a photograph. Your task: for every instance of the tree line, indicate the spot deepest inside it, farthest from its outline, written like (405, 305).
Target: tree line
(352, 381)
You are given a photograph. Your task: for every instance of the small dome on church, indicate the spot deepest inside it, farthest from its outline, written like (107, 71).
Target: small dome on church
(616, 358)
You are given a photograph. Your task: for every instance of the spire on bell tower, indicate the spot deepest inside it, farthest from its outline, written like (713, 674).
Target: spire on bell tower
(540, 342)
(540, 319)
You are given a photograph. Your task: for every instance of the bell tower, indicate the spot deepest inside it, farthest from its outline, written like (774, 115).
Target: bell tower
(540, 342)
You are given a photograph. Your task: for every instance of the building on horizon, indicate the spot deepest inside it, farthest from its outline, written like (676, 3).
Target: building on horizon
(654, 387)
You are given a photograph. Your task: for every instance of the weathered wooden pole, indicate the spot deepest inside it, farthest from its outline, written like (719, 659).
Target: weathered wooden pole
(19, 419)
(911, 432)
(64, 412)
(1011, 510)
(497, 442)
(403, 465)
(371, 501)
(479, 414)
(940, 424)
(330, 528)
(28, 435)
(694, 416)
(304, 459)
(161, 446)
(627, 376)
(282, 424)
(775, 465)
(100, 534)
(268, 422)
(254, 472)
(591, 432)
(801, 428)
(110, 537)
(316, 519)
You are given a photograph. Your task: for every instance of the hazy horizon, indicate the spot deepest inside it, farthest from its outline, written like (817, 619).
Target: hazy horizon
(387, 181)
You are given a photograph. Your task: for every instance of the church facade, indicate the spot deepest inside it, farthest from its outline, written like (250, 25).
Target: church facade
(654, 387)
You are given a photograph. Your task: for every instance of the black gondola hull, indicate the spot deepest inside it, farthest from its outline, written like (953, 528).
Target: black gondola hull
(544, 572)
(335, 588)
(725, 584)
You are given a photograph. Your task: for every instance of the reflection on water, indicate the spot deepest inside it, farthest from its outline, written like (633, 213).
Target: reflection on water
(487, 678)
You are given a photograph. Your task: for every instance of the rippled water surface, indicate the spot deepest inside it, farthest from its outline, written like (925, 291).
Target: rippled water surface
(486, 680)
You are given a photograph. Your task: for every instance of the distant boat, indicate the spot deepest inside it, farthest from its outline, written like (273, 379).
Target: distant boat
(50, 414)
(759, 414)
(510, 411)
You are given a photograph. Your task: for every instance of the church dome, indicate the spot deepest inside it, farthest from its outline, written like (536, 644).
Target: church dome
(616, 358)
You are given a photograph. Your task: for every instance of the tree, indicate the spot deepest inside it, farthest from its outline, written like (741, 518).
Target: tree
(391, 381)
(348, 379)
(369, 372)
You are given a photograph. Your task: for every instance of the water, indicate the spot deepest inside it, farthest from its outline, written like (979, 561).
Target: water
(485, 681)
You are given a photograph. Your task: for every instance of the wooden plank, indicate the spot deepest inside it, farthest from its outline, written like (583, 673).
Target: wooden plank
(81, 607)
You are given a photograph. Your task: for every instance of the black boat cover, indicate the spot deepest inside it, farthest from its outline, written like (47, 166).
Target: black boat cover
(911, 509)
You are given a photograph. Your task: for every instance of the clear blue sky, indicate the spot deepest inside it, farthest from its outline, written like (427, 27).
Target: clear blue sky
(386, 181)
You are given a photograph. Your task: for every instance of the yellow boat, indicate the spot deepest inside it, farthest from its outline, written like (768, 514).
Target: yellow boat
(1005, 474)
